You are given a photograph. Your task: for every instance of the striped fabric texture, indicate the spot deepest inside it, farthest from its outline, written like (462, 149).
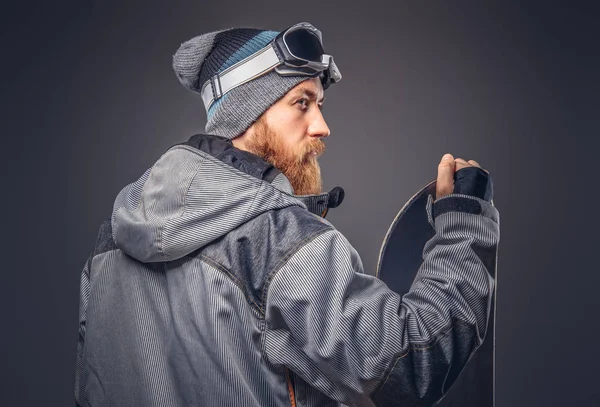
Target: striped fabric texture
(205, 55)
(212, 284)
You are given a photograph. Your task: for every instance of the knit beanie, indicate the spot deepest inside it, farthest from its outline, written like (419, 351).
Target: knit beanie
(201, 57)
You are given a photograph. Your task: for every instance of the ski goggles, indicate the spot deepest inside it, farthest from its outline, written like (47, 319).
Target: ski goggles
(297, 51)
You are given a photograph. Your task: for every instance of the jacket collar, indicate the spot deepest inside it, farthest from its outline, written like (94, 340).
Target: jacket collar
(223, 149)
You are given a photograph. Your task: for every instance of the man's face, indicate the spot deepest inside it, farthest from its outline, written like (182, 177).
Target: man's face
(288, 135)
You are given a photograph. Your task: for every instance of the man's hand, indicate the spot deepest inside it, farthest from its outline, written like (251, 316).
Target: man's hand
(446, 169)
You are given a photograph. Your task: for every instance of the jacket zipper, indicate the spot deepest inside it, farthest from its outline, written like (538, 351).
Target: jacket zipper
(290, 387)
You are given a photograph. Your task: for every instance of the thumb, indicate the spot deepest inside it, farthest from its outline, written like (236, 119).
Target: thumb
(445, 179)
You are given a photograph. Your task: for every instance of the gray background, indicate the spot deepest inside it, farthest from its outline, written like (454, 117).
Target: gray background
(89, 101)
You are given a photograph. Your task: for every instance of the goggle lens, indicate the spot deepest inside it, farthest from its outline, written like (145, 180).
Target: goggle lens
(305, 45)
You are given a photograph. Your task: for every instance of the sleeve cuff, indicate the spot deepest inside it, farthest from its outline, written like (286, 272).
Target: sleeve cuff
(460, 203)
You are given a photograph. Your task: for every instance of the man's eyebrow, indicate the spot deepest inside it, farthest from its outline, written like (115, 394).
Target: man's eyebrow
(309, 93)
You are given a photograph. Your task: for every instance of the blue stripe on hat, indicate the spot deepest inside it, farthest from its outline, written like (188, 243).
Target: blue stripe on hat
(257, 42)
(216, 104)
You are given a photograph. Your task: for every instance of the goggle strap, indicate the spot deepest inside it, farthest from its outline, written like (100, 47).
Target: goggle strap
(245, 70)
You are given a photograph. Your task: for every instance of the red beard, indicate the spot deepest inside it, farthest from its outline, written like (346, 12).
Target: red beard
(300, 167)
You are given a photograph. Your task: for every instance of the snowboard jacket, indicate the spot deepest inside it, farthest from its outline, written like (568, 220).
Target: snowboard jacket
(212, 284)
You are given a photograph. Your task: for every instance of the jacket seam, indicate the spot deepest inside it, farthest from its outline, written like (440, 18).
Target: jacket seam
(233, 279)
(204, 154)
(442, 333)
(217, 266)
(289, 254)
(185, 200)
(139, 202)
(397, 358)
(221, 164)
(260, 182)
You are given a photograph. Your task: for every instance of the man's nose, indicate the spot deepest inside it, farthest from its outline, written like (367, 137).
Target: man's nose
(318, 127)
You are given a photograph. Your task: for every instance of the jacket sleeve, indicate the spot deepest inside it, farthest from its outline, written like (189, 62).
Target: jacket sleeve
(84, 291)
(352, 338)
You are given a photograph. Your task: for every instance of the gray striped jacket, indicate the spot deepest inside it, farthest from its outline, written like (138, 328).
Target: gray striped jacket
(212, 284)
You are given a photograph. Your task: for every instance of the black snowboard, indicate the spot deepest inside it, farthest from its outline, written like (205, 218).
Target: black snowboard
(399, 261)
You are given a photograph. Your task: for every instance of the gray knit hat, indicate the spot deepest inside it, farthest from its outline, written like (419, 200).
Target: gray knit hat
(201, 57)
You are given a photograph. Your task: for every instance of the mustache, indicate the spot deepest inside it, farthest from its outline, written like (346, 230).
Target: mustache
(318, 147)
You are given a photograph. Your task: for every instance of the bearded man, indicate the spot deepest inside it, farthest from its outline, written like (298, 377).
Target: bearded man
(217, 281)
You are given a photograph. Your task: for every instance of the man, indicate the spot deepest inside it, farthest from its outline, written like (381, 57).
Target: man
(217, 280)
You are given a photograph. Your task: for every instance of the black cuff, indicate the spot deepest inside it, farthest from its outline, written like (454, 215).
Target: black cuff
(456, 204)
(473, 181)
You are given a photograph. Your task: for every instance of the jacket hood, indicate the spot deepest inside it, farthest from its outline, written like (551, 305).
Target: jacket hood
(198, 191)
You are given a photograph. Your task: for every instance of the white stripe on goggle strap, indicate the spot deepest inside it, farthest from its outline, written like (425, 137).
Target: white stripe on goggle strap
(250, 68)
(247, 69)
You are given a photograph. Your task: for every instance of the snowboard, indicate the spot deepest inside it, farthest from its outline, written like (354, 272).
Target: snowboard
(399, 260)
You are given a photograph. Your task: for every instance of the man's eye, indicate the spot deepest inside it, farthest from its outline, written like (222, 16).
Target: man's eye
(303, 103)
